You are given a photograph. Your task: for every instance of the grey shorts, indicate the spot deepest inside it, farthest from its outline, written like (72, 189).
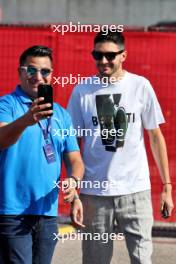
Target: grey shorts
(134, 215)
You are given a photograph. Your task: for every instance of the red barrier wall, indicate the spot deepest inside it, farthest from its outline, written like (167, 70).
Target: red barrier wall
(151, 54)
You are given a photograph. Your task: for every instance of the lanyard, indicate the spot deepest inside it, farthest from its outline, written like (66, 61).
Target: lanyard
(45, 130)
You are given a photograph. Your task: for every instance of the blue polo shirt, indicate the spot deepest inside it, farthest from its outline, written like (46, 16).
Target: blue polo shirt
(26, 178)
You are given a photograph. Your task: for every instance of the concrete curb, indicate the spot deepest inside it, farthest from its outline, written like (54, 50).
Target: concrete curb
(66, 229)
(162, 229)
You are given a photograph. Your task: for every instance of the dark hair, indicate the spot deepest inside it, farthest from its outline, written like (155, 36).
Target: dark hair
(36, 51)
(116, 37)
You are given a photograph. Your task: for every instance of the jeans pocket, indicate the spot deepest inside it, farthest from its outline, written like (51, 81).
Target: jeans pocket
(13, 226)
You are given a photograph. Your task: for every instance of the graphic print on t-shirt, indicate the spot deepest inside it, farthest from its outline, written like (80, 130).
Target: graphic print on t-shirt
(113, 121)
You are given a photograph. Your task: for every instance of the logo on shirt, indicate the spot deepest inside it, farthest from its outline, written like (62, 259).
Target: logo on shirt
(113, 121)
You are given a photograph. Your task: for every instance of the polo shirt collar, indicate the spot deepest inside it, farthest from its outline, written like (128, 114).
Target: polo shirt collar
(22, 95)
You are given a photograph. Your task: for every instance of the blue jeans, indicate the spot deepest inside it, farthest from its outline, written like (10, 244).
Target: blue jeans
(27, 239)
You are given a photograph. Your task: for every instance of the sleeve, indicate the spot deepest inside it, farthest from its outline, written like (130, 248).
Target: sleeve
(152, 115)
(6, 109)
(75, 110)
(70, 143)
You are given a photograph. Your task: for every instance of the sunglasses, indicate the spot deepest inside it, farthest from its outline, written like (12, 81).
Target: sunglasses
(98, 55)
(31, 71)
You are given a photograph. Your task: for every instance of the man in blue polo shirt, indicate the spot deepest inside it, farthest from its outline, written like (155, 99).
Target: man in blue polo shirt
(28, 198)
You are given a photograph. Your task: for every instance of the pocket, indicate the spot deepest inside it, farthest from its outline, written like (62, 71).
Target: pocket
(48, 226)
(144, 204)
(13, 226)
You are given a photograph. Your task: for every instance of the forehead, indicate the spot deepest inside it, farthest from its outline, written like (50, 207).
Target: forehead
(38, 61)
(106, 46)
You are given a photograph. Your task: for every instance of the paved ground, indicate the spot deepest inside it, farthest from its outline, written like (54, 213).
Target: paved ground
(69, 252)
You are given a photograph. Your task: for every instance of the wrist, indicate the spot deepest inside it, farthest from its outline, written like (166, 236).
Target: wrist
(76, 197)
(167, 183)
(167, 186)
(77, 181)
(23, 122)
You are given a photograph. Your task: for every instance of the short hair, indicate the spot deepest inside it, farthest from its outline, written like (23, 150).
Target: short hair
(35, 51)
(115, 37)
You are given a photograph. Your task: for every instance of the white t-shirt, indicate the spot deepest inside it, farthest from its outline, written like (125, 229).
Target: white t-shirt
(115, 161)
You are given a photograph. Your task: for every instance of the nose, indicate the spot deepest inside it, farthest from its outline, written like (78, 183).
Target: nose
(104, 60)
(38, 76)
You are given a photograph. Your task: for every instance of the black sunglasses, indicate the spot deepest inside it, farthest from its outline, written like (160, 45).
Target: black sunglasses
(98, 55)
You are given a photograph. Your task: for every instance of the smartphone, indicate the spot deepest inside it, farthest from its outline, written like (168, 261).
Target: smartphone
(46, 91)
(165, 213)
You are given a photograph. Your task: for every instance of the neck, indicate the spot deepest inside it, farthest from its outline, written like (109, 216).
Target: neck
(118, 75)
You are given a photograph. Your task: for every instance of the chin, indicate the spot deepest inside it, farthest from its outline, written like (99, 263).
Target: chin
(34, 87)
(35, 90)
(106, 73)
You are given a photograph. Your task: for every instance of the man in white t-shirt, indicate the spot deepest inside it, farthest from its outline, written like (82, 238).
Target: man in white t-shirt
(110, 112)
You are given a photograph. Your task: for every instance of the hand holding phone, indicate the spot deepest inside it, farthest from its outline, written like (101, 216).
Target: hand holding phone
(164, 212)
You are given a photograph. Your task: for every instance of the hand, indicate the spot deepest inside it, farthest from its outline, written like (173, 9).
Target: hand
(166, 199)
(35, 112)
(69, 188)
(77, 213)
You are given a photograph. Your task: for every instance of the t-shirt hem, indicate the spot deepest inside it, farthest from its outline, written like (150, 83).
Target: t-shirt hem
(14, 213)
(122, 192)
(155, 126)
(72, 150)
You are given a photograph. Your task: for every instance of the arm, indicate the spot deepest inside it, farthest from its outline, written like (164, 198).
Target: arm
(74, 164)
(77, 212)
(158, 147)
(10, 133)
(75, 167)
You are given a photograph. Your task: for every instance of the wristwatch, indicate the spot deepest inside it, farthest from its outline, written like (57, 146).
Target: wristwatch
(77, 180)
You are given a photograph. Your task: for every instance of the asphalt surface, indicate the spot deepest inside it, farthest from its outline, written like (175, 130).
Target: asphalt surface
(69, 252)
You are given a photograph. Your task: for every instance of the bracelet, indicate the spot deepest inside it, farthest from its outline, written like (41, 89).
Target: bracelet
(77, 180)
(167, 183)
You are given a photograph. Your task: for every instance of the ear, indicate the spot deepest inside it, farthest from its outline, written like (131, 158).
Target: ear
(123, 56)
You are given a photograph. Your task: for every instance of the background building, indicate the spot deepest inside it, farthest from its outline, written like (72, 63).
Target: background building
(126, 12)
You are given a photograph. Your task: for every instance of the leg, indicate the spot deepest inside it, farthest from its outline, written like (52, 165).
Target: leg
(43, 240)
(15, 240)
(134, 213)
(98, 218)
